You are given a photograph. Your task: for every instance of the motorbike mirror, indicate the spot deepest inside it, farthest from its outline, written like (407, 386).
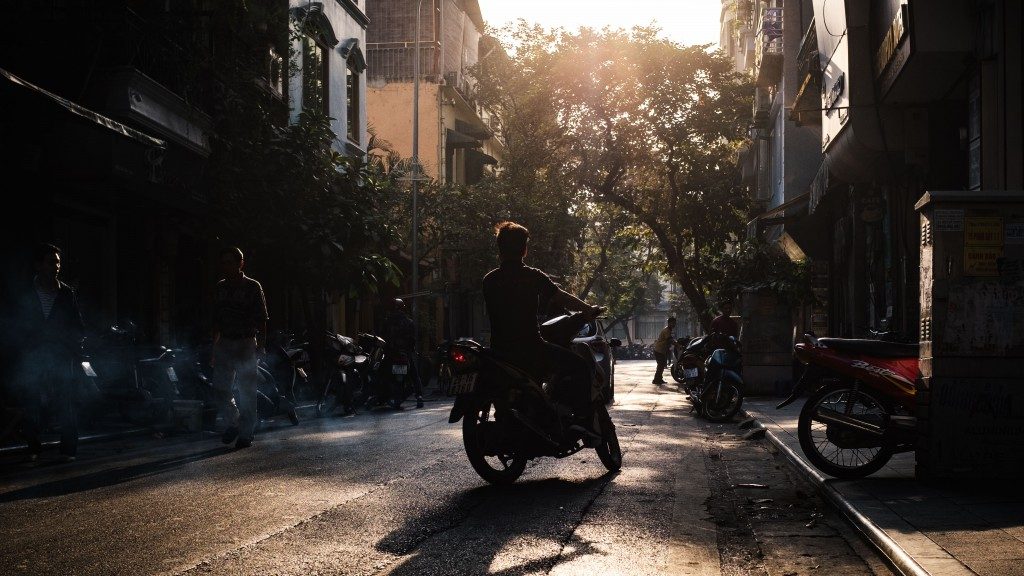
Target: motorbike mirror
(615, 342)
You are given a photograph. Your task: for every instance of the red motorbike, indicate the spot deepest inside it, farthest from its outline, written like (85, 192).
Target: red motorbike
(861, 404)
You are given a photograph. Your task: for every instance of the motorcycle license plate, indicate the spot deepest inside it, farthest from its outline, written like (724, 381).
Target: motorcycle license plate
(302, 372)
(400, 369)
(690, 372)
(464, 383)
(171, 374)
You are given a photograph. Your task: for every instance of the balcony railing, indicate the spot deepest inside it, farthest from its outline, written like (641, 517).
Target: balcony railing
(768, 48)
(393, 61)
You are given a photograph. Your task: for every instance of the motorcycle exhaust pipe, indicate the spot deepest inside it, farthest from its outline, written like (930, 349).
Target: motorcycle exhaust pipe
(832, 417)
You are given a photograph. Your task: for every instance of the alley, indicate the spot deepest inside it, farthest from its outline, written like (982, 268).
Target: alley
(392, 493)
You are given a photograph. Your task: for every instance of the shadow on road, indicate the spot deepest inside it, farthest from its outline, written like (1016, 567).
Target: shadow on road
(106, 478)
(475, 527)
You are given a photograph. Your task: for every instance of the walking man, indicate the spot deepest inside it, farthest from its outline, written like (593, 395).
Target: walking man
(239, 330)
(52, 333)
(661, 346)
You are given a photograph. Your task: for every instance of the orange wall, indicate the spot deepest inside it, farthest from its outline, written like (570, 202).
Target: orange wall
(389, 113)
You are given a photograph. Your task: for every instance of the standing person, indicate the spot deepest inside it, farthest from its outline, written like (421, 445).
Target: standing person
(661, 346)
(513, 293)
(52, 335)
(400, 334)
(239, 330)
(723, 323)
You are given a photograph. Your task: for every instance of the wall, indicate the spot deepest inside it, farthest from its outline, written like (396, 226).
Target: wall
(389, 112)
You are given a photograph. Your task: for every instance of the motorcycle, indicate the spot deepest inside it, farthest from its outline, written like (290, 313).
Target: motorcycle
(690, 356)
(510, 416)
(349, 369)
(395, 382)
(716, 388)
(860, 410)
(141, 380)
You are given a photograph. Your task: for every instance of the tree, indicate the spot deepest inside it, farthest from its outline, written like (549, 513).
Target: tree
(638, 122)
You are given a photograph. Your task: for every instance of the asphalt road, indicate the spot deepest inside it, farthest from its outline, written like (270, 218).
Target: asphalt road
(392, 493)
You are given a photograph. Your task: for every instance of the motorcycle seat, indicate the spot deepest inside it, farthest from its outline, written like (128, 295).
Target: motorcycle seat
(877, 348)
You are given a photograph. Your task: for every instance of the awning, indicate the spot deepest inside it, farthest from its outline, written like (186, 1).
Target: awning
(84, 112)
(476, 131)
(456, 139)
(781, 214)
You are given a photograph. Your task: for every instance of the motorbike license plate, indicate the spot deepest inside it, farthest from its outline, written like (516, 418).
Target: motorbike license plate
(87, 368)
(690, 372)
(302, 372)
(464, 383)
(400, 369)
(171, 374)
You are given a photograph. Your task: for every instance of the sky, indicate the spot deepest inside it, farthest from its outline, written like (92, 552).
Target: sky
(684, 21)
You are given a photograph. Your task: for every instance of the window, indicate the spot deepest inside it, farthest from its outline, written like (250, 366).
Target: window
(314, 75)
(352, 103)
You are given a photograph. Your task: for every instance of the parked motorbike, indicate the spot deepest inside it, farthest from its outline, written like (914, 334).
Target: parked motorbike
(689, 364)
(288, 361)
(715, 387)
(510, 416)
(348, 372)
(141, 380)
(860, 411)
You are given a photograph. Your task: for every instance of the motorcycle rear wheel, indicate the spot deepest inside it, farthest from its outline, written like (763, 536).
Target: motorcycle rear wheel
(720, 405)
(609, 451)
(677, 372)
(826, 456)
(495, 469)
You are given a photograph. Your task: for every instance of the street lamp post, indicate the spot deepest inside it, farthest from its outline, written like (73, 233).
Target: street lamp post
(415, 173)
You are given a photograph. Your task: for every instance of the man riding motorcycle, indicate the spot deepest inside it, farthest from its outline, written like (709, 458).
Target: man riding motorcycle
(513, 293)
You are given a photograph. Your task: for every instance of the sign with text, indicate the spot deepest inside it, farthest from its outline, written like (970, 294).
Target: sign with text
(983, 231)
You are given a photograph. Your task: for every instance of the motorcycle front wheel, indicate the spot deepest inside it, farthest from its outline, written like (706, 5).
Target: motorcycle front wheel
(721, 401)
(609, 451)
(479, 436)
(836, 451)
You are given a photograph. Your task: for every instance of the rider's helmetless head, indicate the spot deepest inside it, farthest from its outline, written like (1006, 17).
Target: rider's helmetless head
(513, 240)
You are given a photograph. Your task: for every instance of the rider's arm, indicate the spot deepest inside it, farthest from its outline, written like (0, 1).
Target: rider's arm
(566, 300)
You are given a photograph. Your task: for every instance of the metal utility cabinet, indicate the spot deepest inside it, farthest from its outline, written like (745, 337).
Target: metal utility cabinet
(970, 397)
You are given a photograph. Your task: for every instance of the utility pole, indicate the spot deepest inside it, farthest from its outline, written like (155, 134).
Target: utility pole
(416, 174)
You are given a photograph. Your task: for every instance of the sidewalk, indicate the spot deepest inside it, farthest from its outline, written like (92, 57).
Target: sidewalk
(923, 528)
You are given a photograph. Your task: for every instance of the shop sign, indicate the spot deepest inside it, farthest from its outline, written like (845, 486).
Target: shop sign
(831, 96)
(984, 231)
(982, 260)
(894, 36)
(1015, 233)
(949, 220)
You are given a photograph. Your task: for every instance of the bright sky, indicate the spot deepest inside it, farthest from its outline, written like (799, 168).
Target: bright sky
(685, 21)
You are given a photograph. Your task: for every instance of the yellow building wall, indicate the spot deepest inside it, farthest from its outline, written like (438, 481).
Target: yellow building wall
(389, 113)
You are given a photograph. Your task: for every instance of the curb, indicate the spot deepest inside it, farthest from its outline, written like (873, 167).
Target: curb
(897, 556)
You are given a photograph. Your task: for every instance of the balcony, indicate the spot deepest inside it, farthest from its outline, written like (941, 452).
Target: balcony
(806, 106)
(393, 61)
(768, 48)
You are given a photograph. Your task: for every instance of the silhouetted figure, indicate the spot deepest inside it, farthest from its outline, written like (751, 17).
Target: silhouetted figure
(661, 346)
(240, 329)
(400, 334)
(51, 332)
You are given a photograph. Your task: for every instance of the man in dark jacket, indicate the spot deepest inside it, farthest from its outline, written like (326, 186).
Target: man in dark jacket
(52, 332)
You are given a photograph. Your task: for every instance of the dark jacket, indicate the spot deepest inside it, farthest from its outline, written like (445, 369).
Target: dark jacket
(61, 332)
